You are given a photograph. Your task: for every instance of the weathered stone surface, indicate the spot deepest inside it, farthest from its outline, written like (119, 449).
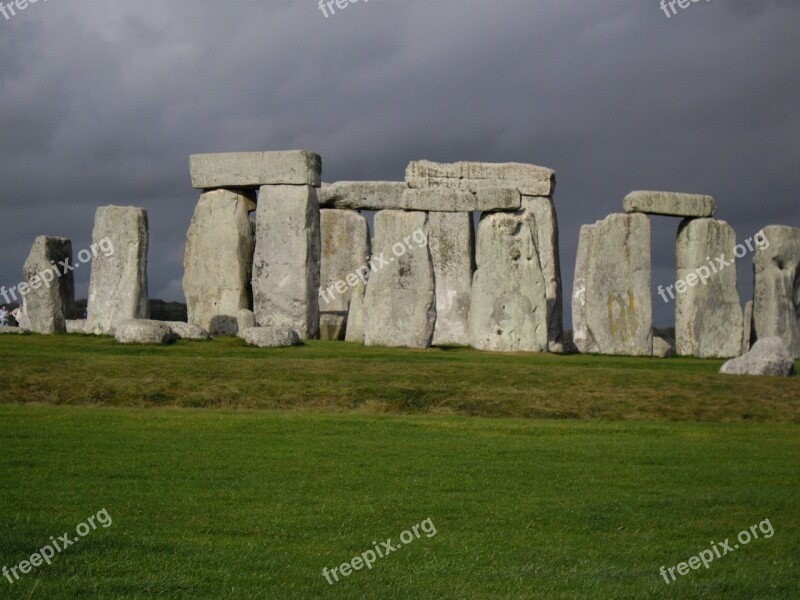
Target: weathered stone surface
(508, 309)
(546, 232)
(76, 326)
(143, 331)
(286, 265)
(670, 204)
(776, 299)
(118, 287)
(355, 316)
(332, 326)
(663, 348)
(254, 169)
(50, 297)
(769, 356)
(452, 245)
(708, 311)
(459, 201)
(8, 330)
(245, 319)
(218, 260)
(747, 337)
(400, 303)
(363, 195)
(530, 180)
(271, 337)
(612, 309)
(187, 331)
(345, 251)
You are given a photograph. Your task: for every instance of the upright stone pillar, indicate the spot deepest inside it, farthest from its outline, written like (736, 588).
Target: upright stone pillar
(452, 245)
(50, 297)
(286, 265)
(708, 311)
(118, 287)
(612, 309)
(400, 303)
(345, 252)
(508, 310)
(218, 260)
(776, 301)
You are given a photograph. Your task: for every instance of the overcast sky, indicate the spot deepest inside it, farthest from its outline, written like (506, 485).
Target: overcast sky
(102, 103)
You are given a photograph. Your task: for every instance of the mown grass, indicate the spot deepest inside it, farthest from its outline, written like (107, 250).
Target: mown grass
(254, 504)
(224, 373)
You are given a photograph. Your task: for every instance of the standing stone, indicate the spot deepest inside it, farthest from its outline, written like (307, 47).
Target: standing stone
(452, 245)
(747, 337)
(508, 309)
(546, 230)
(286, 265)
(612, 309)
(776, 300)
(218, 260)
(708, 311)
(345, 251)
(51, 296)
(332, 326)
(118, 287)
(400, 303)
(245, 319)
(355, 316)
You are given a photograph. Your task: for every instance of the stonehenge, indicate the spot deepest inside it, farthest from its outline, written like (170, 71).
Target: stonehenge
(118, 286)
(461, 253)
(51, 298)
(776, 298)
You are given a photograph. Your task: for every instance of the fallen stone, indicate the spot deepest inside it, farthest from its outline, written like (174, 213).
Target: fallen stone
(663, 348)
(400, 302)
(670, 204)
(776, 298)
(332, 326)
(245, 319)
(118, 286)
(344, 256)
(611, 304)
(187, 331)
(355, 316)
(254, 169)
(8, 330)
(708, 312)
(452, 246)
(143, 331)
(769, 356)
(76, 326)
(530, 180)
(286, 264)
(363, 195)
(508, 308)
(218, 260)
(271, 337)
(50, 296)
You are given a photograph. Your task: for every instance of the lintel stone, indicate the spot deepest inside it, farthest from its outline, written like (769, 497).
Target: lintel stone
(251, 170)
(670, 204)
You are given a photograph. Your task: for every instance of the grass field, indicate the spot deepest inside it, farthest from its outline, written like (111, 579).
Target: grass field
(231, 502)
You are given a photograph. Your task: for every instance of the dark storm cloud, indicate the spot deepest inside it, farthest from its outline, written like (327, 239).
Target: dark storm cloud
(102, 102)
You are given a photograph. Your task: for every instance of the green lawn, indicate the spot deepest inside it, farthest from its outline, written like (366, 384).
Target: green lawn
(312, 454)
